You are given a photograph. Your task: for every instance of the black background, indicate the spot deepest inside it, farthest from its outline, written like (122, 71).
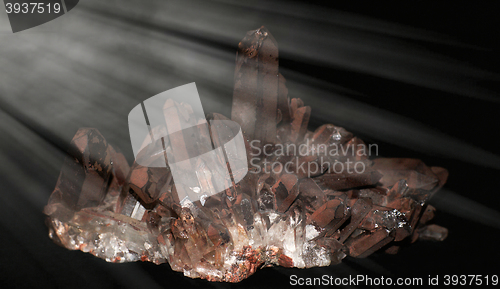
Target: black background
(419, 79)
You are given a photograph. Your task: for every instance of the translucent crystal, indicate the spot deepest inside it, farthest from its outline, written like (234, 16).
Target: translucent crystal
(290, 206)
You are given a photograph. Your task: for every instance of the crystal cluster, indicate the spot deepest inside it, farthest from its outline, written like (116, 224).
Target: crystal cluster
(299, 205)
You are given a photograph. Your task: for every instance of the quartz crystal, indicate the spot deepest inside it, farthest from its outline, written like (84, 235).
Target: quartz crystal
(299, 205)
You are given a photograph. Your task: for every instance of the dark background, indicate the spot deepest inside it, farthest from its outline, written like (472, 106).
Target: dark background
(419, 79)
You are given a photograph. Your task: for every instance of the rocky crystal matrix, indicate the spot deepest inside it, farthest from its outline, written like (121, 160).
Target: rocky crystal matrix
(299, 205)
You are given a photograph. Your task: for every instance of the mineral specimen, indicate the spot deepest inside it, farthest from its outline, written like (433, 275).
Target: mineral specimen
(309, 198)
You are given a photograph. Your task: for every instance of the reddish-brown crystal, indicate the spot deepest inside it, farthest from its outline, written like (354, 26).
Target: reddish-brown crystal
(256, 82)
(433, 232)
(293, 208)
